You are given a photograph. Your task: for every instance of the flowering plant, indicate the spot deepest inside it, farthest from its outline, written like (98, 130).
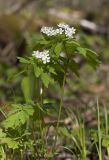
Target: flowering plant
(56, 53)
(53, 56)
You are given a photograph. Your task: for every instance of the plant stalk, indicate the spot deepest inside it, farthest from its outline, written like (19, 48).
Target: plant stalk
(60, 110)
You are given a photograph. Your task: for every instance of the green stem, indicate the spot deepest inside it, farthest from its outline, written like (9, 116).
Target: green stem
(99, 133)
(41, 116)
(84, 145)
(108, 151)
(60, 109)
(36, 152)
(106, 126)
(106, 120)
(21, 151)
(61, 104)
(61, 101)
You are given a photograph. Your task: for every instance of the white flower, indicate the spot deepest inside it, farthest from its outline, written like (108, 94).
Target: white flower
(63, 25)
(62, 29)
(69, 32)
(49, 31)
(43, 55)
(59, 31)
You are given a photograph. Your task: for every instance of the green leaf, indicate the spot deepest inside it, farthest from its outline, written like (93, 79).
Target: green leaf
(18, 116)
(59, 77)
(74, 43)
(82, 51)
(23, 60)
(44, 42)
(10, 142)
(7, 140)
(2, 153)
(91, 51)
(58, 49)
(70, 46)
(25, 85)
(28, 85)
(2, 134)
(51, 70)
(46, 79)
(73, 66)
(64, 131)
(92, 58)
(33, 84)
(105, 141)
(38, 71)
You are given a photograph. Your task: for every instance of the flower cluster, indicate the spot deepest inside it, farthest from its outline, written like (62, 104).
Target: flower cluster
(49, 31)
(44, 56)
(62, 28)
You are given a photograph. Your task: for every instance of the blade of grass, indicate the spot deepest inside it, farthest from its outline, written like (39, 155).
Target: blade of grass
(99, 133)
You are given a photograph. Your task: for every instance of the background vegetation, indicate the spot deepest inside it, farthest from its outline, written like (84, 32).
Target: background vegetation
(83, 127)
